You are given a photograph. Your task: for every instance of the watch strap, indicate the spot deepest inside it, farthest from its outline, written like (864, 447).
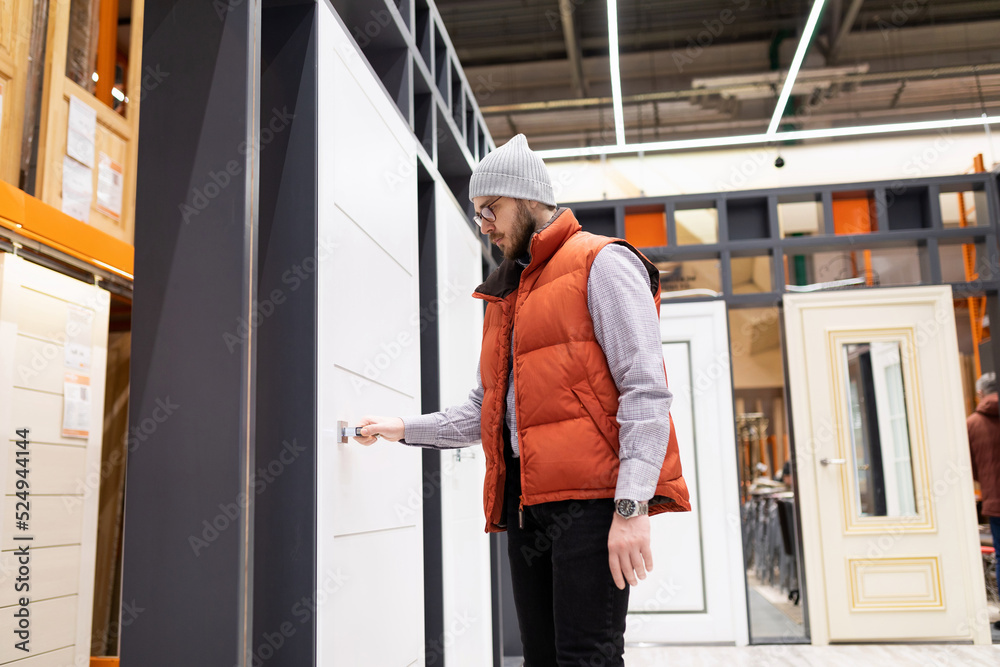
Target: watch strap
(628, 508)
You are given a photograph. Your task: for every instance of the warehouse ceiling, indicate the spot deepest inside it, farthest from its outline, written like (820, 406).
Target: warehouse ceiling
(713, 68)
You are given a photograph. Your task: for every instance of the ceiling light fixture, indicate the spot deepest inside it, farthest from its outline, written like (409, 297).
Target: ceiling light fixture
(750, 139)
(793, 71)
(616, 77)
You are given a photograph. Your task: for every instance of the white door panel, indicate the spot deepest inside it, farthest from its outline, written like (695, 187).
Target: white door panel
(890, 541)
(696, 591)
(468, 620)
(55, 572)
(38, 365)
(378, 336)
(44, 411)
(375, 178)
(376, 598)
(369, 600)
(35, 305)
(57, 470)
(374, 488)
(58, 616)
(687, 593)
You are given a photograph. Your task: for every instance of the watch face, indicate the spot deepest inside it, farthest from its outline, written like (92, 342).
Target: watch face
(626, 507)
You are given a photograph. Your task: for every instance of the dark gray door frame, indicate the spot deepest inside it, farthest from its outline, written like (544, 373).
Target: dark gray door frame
(220, 491)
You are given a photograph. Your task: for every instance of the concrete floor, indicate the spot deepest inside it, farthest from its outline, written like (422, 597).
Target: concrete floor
(884, 655)
(769, 622)
(902, 655)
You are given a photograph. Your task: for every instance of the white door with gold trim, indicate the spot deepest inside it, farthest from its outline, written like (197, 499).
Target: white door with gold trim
(890, 541)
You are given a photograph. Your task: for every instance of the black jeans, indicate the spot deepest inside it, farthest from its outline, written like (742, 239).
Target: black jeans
(569, 610)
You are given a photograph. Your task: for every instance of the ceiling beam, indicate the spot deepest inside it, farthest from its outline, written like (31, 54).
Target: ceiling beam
(834, 15)
(845, 29)
(843, 78)
(573, 51)
(569, 133)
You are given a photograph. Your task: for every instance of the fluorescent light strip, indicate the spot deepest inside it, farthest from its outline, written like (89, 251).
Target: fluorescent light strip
(748, 139)
(793, 71)
(616, 75)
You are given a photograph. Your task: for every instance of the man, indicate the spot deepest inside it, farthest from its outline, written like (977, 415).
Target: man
(572, 408)
(984, 446)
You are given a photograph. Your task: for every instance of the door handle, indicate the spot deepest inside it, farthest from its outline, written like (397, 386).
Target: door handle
(838, 462)
(344, 432)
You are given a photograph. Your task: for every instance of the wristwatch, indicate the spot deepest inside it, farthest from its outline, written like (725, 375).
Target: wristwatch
(630, 508)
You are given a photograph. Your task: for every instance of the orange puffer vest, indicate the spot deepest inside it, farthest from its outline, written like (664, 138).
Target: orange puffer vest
(566, 398)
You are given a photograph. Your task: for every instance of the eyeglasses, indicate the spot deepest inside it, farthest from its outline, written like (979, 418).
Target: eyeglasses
(486, 213)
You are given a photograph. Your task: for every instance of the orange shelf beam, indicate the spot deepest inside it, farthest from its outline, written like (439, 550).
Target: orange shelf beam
(36, 220)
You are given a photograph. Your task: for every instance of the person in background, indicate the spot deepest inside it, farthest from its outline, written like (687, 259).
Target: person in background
(984, 446)
(785, 476)
(582, 453)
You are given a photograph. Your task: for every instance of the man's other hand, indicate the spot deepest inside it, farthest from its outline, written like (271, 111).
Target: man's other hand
(390, 428)
(629, 554)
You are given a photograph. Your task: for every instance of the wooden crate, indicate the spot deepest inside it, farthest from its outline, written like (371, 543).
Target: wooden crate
(116, 135)
(15, 36)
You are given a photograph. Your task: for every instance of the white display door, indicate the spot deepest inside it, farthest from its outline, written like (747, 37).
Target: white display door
(369, 579)
(53, 361)
(890, 541)
(468, 611)
(696, 592)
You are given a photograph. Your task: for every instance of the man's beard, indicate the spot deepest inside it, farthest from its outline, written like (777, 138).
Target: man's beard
(519, 239)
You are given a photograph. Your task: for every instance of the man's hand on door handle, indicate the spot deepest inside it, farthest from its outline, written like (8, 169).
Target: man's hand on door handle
(390, 428)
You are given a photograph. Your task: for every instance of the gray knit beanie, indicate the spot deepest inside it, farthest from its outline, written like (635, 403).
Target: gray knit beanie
(512, 170)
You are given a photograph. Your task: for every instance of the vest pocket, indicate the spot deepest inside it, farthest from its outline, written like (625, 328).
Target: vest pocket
(593, 408)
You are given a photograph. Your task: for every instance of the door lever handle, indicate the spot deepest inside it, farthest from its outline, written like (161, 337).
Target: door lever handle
(838, 462)
(344, 432)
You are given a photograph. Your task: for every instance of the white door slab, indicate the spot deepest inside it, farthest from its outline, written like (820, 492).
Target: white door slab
(369, 576)
(696, 592)
(51, 326)
(468, 610)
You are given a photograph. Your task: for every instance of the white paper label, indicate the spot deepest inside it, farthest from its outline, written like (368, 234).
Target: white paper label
(77, 189)
(76, 406)
(81, 132)
(109, 187)
(79, 327)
